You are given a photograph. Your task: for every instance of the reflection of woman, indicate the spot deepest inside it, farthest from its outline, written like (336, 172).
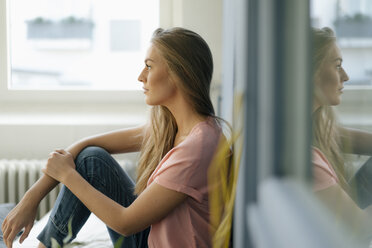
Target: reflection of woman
(329, 140)
(329, 78)
(176, 150)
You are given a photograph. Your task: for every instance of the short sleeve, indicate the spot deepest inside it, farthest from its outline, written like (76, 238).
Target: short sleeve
(179, 172)
(324, 176)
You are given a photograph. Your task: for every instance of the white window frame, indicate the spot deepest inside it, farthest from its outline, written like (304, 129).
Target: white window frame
(62, 96)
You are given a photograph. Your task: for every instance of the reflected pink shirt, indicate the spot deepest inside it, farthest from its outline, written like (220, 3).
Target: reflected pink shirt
(184, 169)
(324, 175)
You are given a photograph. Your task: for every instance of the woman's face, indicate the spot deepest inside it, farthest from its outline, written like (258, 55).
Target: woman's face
(329, 80)
(158, 86)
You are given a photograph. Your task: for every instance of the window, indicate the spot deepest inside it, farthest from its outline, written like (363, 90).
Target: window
(86, 44)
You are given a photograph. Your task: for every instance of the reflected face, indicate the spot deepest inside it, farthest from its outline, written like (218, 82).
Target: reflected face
(158, 86)
(330, 78)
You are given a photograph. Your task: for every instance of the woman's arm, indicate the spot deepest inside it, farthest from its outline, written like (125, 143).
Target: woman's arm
(23, 215)
(347, 212)
(356, 141)
(119, 141)
(151, 206)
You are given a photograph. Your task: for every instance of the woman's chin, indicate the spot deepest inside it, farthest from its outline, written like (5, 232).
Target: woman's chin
(336, 102)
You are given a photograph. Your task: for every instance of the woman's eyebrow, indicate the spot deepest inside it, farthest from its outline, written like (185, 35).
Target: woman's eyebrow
(149, 60)
(338, 59)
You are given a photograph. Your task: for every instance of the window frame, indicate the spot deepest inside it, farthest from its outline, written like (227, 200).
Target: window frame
(8, 95)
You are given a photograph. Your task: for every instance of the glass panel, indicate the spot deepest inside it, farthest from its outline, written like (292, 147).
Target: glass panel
(85, 44)
(342, 122)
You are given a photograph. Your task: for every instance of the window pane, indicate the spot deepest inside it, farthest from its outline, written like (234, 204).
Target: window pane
(345, 151)
(85, 44)
(352, 22)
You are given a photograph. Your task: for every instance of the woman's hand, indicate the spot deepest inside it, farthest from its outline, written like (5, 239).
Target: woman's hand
(22, 216)
(76, 148)
(60, 163)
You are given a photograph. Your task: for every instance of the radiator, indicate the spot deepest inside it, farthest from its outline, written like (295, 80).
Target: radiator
(17, 176)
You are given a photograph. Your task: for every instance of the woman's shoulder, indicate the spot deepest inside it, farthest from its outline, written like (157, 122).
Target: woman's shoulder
(319, 157)
(201, 141)
(324, 175)
(204, 133)
(320, 160)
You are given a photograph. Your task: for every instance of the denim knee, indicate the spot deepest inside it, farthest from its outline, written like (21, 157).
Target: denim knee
(91, 151)
(99, 168)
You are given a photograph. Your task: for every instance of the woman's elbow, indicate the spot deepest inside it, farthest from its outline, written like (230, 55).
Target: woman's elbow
(127, 224)
(126, 230)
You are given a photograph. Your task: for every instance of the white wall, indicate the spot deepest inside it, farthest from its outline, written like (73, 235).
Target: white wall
(205, 18)
(32, 130)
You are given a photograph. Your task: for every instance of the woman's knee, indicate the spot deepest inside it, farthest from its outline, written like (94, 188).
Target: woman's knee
(94, 154)
(91, 151)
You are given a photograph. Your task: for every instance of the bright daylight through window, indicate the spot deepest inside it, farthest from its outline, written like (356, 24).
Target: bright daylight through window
(85, 44)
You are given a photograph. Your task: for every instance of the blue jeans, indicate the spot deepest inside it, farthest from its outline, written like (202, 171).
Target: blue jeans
(101, 170)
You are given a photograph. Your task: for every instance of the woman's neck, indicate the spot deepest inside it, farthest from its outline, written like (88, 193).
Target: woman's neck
(186, 117)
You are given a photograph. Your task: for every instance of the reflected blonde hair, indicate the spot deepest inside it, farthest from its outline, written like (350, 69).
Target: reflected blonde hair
(326, 133)
(189, 58)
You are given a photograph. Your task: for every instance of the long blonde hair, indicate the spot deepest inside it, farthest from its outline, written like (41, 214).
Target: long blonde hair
(189, 58)
(326, 133)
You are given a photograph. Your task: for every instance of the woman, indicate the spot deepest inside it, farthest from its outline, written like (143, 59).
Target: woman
(330, 141)
(329, 78)
(177, 147)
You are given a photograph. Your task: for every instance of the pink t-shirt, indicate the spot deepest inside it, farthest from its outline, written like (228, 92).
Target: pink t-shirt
(184, 169)
(324, 174)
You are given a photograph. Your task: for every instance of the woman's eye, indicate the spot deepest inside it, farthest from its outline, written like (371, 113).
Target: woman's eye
(148, 67)
(338, 67)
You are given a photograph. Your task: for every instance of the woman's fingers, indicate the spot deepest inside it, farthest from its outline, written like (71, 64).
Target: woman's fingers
(61, 151)
(25, 233)
(3, 226)
(6, 237)
(10, 238)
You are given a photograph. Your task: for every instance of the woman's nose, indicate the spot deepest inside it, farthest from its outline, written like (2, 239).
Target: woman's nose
(142, 77)
(345, 76)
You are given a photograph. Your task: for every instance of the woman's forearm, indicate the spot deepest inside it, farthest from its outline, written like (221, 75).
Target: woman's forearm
(40, 189)
(124, 220)
(119, 141)
(356, 141)
(105, 208)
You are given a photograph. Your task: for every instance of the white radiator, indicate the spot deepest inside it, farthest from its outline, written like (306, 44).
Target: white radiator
(17, 176)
